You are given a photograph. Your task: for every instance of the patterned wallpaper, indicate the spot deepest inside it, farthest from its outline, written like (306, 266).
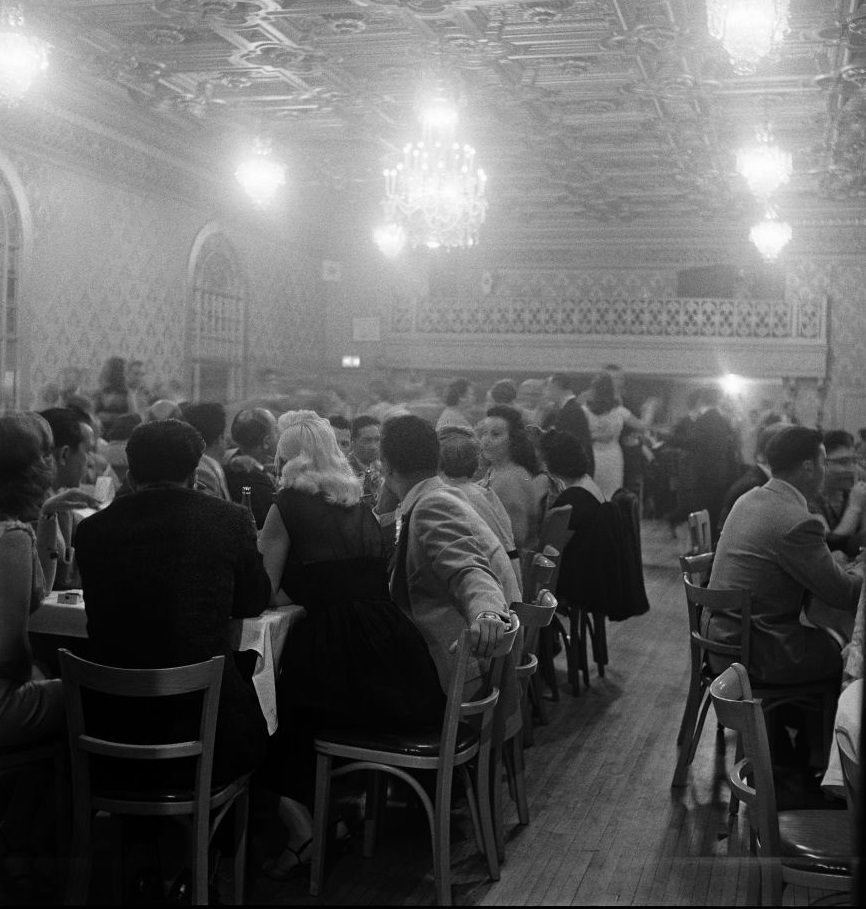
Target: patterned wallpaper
(108, 275)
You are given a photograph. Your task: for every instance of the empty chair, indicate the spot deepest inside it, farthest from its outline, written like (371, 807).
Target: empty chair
(206, 806)
(700, 532)
(816, 695)
(810, 848)
(399, 754)
(552, 539)
(540, 577)
(533, 617)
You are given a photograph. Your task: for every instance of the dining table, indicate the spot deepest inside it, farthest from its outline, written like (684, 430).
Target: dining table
(263, 635)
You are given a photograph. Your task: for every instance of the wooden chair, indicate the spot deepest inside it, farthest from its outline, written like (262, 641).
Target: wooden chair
(737, 604)
(205, 806)
(810, 847)
(539, 578)
(552, 539)
(697, 567)
(533, 617)
(700, 532)
(402, 754)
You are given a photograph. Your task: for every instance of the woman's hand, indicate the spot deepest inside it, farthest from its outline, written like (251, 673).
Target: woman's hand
(69, 500)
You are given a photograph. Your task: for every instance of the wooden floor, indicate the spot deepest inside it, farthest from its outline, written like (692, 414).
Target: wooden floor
(606, 828)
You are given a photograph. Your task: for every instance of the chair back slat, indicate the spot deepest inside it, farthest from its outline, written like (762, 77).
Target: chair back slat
(533, 617)
(735, 605)
(752, 779)
(126, 751)
(700, 532)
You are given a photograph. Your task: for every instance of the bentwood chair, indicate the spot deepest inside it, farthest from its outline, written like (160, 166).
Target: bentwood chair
(205, 806)
(736, 605)
(533, 617)
(809, 847)
(540, 577)
(404, 754)
(553, 538)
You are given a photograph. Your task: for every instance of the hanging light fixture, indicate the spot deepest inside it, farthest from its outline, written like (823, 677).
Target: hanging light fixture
(749, 30)
(391, 239)
(764, 166)
(771, 236)
(22, 56)
(260, 174)
(436, 194)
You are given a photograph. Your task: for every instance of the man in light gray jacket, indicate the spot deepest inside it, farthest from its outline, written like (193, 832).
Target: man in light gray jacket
(773, 546)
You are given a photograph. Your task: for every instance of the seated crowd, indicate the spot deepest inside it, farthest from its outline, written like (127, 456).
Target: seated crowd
(394, 532)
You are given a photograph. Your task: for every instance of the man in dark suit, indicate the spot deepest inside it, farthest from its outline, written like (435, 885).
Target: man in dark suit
(255, 433)
(713, 445)
(569, 415)
(163, 570)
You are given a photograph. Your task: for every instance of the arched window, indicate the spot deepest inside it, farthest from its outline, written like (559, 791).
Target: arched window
(10, 255)
(217, 320)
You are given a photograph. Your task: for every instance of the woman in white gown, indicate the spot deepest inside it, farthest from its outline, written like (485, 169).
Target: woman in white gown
(607, 418)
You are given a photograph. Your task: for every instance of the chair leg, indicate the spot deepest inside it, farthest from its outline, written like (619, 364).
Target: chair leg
(374, 810)
(484, 788)
(200, 843)
(78, 881)
(242, 813)
(692, 725)
(520, 782)
(497, 807)
(537, 701)
(320, 822)
(471, 801)
(599, 642)
(546, 667)
(442, 837)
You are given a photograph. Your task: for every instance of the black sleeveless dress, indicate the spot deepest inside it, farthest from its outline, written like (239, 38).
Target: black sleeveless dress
(356, 661)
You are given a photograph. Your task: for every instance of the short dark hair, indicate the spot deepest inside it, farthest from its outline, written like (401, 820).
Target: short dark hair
(602, 396)
(458, 454)
(563, 454)
(209, 418)
(791, 446)
(838, 438)
(765, 435)
(455, 391)
(503, 392)
(563, 380)
(362, 422)
(711, 395)
(410, 445)
(25, 475)
(251, 427)
(65, 425)
(165, 450)
(338, 421)
(121, 428)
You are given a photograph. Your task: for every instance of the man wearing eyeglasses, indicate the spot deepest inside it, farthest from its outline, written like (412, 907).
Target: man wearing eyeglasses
(843, 500)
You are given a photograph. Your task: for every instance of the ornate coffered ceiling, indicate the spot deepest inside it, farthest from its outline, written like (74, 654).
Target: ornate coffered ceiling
(584, 112)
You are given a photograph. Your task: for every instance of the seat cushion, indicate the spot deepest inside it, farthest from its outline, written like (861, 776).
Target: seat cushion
(816, 840)
(421, 743)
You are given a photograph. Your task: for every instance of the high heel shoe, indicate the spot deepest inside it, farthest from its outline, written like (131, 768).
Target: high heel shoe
(289, 863)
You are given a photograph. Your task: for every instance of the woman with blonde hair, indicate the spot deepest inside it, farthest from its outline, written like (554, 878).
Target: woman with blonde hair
(356, 661)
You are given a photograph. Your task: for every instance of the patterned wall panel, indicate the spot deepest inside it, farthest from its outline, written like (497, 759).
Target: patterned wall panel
(108, 276)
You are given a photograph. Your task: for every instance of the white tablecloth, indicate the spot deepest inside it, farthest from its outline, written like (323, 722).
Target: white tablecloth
(265, 634)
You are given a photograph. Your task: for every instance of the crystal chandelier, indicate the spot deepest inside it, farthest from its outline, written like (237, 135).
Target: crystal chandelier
(771, 236)
(749, 30)
(764, 166)
(260, 174)
(22, 57)
(436, 194)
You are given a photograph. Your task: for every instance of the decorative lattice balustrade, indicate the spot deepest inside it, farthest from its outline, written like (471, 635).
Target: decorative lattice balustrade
(802, 320)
